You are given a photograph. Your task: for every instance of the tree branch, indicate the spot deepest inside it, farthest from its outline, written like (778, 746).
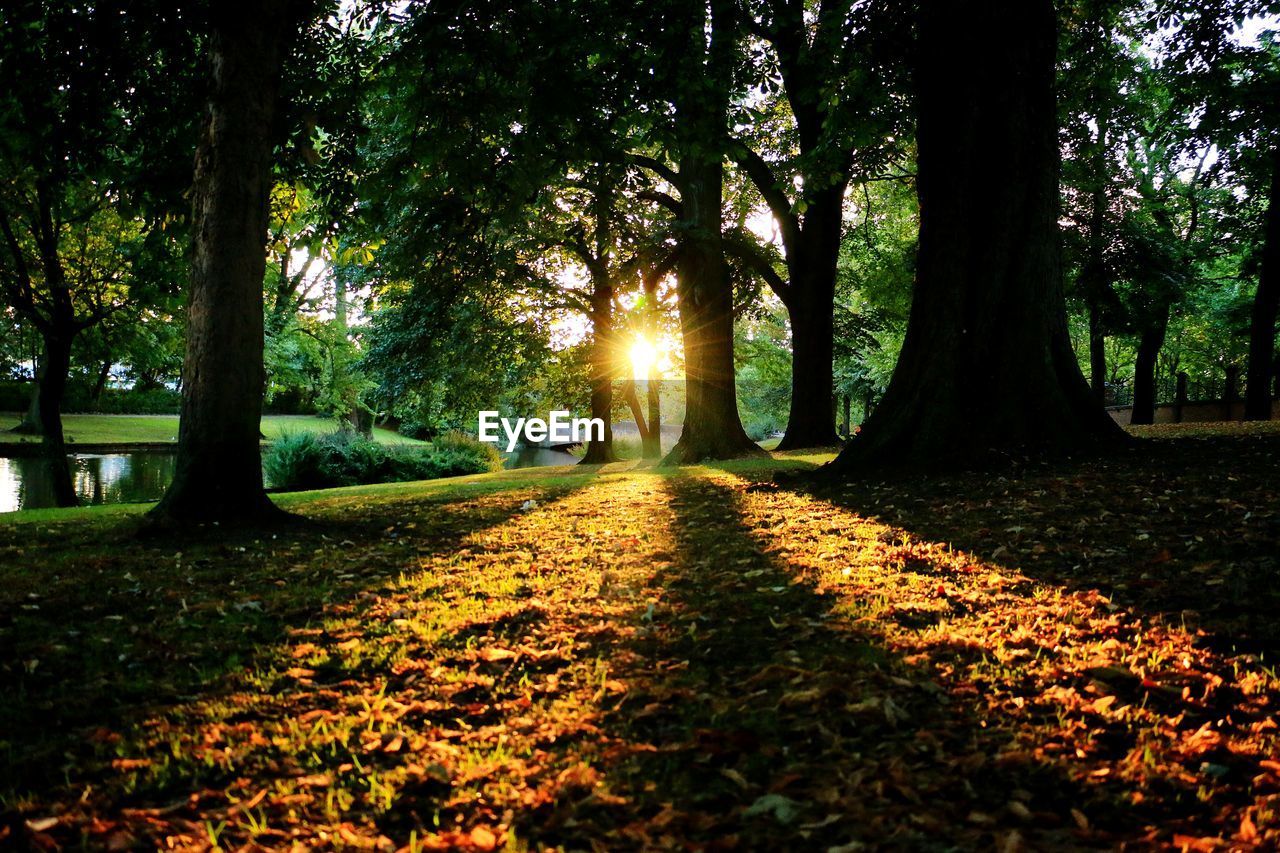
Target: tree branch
(750, 253)
(656, 166)
(761, 174)
(664, 199)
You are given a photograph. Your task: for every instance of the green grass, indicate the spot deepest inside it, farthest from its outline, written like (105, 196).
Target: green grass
(154, 429)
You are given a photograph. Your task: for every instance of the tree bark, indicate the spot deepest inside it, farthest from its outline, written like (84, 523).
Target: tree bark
(602, 367)
(53, 385)
(1097, 354)
(637, 411)
(1144, 370)
(1266, 304)
(100, 383)
(812, 273)
(652, 442)
(219, 469)
(712, 427)
(986, 369)
(704, 292)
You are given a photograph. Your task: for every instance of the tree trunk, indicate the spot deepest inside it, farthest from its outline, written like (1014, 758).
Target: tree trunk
(637, 411)
(602, 368)
(219, 468)
(1097, 283)
(812, 272)
(653, 441)
(1266, 303)
(986, 367)
(1144, 370)
(653, 384)
(100, 383)
(30, 424)
(712, 427)
(1097, 354)
(704, 292)
(53, 385)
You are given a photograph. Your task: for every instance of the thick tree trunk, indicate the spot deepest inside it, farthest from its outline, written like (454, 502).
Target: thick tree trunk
(712, 427)
(1144, 370)
(1262, 326)
(986, 367)
(812, 272)
(602, 368)
(219, 468)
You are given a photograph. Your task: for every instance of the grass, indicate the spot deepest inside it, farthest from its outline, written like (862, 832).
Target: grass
(1077, 655)
(149, 429)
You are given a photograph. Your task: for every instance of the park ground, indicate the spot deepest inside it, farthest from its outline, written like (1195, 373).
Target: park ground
(1078, 655)
(124, 430)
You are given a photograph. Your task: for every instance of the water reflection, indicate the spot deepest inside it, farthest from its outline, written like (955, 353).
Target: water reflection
(25, 483)
(143, 476)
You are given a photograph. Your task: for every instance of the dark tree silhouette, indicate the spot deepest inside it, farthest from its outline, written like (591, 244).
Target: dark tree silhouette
(987, 364)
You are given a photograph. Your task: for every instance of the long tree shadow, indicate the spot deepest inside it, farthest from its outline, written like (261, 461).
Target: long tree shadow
(1184, 530)
(774, 709)
(106, 630)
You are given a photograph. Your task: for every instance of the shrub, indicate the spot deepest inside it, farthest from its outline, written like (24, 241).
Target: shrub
(413, 428)
(760, 427)
(305, 461)
(311, 461)
(456, 453)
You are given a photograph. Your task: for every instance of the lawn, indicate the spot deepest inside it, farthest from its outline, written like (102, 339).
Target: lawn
(149, 429)
(1075, 655)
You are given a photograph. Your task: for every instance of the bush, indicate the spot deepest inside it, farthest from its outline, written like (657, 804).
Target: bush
(118, 401)
(413, 428)
(758, 427)
(16, 396)
(311, 461)
(460, 446)
(304, 461)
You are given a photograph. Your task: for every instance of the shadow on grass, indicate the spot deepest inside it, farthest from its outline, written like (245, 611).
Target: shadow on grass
(763, 715)
(104, 628)
(1186, 531)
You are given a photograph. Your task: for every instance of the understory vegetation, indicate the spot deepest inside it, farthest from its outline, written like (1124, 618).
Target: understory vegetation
(314, 461)
(699, 657)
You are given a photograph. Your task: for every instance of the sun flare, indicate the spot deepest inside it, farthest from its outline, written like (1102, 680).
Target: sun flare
(644, 355)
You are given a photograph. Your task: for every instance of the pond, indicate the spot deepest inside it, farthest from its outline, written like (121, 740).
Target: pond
(139, 476)
(106, 478)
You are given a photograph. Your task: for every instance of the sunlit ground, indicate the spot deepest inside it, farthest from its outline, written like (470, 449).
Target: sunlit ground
(1076, 656)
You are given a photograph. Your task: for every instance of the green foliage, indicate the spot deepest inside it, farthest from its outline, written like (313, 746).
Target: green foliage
(300, 461)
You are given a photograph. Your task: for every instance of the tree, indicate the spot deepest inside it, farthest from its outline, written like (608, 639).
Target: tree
(219, 468)
(697, 58)
(843, 98)
(1098, 83)
(986, 367)
(1262, 328)
(86, 177)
